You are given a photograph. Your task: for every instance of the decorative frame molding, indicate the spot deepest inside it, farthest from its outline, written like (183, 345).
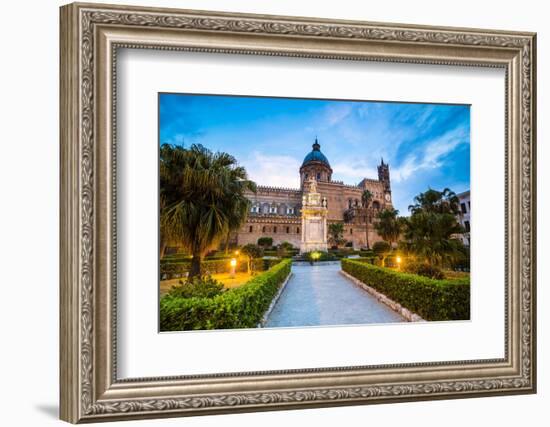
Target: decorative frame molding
(90, 36)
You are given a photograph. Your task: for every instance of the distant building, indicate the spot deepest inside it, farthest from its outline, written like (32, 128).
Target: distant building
(464, 216)
(277, 212)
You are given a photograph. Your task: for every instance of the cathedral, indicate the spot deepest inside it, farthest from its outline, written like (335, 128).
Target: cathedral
(302, 216)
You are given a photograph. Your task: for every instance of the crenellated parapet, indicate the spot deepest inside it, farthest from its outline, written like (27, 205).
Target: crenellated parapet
(265, 188)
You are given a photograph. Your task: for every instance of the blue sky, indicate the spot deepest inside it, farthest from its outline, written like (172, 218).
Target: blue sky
(426, 145)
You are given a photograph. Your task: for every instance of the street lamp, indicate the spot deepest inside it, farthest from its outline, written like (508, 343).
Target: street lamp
(398, 260)
(233, 264)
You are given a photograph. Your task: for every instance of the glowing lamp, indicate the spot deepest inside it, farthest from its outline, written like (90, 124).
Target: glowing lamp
(233, 264)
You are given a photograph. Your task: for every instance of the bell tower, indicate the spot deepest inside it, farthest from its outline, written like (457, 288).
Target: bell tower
(384, 175)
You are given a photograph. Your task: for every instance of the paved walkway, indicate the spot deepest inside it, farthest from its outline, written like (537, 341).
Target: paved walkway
(320, 295)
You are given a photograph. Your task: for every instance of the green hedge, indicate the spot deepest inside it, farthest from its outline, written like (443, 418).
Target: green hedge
(431, 299)
(241, 307)
(345, 252)
(175, 269)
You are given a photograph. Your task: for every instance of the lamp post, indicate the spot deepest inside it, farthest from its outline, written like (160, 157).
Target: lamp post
(398, 260)
(233, 264)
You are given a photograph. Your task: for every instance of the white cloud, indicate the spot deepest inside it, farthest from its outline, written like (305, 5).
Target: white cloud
(335, 113)
(432, 156)
(353, 173)
(277, 171)
(405, 169)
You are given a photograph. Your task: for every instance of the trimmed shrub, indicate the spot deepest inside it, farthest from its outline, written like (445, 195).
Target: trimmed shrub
(369, 260)
(241, 307)
(264, 264)
(198, 287)
(431, 299)
(265, 241)
(315, 256)
(423, 269)
(218, 266)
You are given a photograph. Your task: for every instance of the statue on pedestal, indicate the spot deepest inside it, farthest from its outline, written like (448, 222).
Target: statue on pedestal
(314, 219)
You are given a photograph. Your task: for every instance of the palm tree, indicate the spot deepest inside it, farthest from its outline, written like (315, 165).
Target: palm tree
(445, 201)
(389, 226)
(336, 232)
(366, 198)
(429, 236)
(202, 198)
(172, 161)
(431, 226)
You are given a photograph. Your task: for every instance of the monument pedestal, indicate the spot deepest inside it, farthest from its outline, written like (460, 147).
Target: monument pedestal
(314, 221)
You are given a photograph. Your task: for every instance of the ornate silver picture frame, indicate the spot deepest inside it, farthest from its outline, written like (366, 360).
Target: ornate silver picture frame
(91, 34)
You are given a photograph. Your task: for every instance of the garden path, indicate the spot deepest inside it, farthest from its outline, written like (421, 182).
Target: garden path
(319, 295)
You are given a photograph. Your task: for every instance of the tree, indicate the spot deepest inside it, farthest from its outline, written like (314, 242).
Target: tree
(336, 233)
(445, 201)
(366, 198)
(432, 225)
(382, 249)
(389, 226)
(202, 198)
(429, 236)
(265, 241)
(284, 248)
(251, 252)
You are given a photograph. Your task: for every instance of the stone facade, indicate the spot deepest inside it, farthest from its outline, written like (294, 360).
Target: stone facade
(277, 212)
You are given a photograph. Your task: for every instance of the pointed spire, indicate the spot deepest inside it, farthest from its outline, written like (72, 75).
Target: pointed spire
(316, 146)
(382, 161)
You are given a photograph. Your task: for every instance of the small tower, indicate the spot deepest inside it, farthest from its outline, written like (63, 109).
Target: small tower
(384, 174)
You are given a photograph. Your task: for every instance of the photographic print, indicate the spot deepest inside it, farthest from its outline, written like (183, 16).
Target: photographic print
(289, 212)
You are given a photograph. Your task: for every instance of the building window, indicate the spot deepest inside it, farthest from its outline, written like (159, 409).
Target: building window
(250, 229)
(290, 211)
(273, 209)
(255, 209)
(469, 207)
(287, 230)
(318, 176)
(274, 229)
(350, 203)
(307, 175)
(351, 231)
(467, 226)
(463, 208)
(263, 229)
(298, 230)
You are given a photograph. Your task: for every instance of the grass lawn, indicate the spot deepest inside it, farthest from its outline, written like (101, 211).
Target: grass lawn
(225, 278)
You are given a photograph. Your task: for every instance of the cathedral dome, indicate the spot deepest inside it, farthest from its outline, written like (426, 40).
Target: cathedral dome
(315, 155)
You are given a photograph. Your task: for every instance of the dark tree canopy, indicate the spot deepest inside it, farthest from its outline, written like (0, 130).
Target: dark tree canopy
(202, 198)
